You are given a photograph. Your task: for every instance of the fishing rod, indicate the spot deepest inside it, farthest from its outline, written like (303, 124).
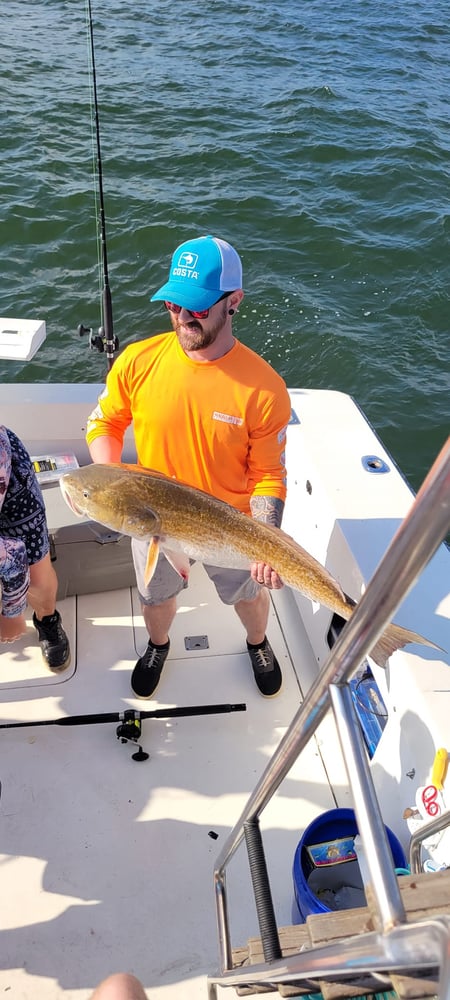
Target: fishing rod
(105, 340)
(129, 728)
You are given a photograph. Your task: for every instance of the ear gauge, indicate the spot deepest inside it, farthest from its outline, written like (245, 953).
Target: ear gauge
(231, 312)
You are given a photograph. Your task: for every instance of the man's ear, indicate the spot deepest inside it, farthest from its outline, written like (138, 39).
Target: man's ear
(236, 299)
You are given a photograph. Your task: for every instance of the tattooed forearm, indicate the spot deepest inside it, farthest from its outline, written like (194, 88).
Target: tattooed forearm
(267, 509)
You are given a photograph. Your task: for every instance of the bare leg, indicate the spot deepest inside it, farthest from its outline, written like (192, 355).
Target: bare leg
(158, 619)
(147, 672)
(120, 986)
(254, 616)
(46, 619)
(12, 628)
(43, 587)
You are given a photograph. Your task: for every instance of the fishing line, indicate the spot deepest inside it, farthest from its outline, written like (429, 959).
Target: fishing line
(106, 340)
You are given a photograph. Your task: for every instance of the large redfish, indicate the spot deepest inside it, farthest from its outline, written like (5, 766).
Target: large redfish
(186, 523)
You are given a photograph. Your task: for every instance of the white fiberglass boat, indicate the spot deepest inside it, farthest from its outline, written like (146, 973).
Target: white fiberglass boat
(112, 860)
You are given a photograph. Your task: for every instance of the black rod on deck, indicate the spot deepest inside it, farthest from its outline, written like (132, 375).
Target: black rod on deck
(158, 713)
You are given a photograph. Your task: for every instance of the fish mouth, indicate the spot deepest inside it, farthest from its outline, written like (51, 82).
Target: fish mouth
(69, 500)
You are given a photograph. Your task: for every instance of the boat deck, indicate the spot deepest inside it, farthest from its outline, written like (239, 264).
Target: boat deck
(107, 862)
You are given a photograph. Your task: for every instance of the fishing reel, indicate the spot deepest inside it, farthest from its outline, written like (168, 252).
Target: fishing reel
(97, 342)
(129, 731)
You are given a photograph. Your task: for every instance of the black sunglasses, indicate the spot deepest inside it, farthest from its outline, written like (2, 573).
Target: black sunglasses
(196, 313)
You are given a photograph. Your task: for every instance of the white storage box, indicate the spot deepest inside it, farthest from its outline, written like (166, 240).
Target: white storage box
(20, 338)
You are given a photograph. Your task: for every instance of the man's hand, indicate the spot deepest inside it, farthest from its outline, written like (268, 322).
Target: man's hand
(269, 510)
(264, 574)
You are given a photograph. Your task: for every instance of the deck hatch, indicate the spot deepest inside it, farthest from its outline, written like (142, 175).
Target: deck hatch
(196, 642)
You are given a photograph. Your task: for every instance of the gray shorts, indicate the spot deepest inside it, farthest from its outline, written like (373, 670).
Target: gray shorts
(232, 585)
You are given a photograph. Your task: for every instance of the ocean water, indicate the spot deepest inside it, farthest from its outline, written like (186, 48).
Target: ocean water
(312, 134)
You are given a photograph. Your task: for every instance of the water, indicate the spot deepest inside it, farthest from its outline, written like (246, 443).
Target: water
(313, 135)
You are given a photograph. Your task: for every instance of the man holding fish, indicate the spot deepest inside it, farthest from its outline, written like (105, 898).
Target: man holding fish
(209, 412)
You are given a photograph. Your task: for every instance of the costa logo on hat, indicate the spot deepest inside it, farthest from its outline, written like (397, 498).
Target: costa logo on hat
(188, 259)
(201, 270)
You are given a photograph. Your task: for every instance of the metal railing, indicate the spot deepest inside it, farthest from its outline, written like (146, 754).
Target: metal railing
(413, 545)
(425, 831)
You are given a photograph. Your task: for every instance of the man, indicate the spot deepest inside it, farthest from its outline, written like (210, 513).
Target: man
(211, 413)
(26, 572)
(120, 986)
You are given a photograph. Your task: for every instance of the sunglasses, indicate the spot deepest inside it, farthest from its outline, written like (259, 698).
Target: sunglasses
(196, 313)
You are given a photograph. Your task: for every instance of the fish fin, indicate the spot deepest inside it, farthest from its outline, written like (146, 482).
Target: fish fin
(179, 561)
(152, 559)
(395, 637)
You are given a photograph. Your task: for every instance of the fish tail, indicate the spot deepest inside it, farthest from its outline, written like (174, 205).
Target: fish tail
(395, 637)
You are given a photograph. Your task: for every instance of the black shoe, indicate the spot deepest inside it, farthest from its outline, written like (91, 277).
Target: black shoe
(147, 672)
(265, 668)
(53, 641)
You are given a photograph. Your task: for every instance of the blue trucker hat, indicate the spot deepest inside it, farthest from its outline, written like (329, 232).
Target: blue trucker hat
(201, 270)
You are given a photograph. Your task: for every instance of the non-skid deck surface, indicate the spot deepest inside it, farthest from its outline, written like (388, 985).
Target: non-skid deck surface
(22, 666)
(106, 864)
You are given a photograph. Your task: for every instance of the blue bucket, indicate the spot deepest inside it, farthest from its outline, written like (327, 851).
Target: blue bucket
(317, 873)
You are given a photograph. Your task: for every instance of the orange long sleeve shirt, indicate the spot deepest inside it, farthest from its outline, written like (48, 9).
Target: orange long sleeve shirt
(219, 426)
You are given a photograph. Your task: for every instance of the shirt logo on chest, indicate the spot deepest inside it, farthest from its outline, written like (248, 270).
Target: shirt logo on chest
(226, 418)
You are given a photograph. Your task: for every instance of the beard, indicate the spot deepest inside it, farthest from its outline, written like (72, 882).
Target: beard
(193, 336)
